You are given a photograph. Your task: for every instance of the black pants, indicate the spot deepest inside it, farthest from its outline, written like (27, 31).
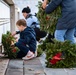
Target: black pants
(42, 34)
(39, 33)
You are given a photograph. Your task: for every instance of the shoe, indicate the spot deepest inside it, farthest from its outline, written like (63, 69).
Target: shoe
(29, 56)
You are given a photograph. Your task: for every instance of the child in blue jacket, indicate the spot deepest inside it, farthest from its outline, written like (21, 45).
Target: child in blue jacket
(27, 40)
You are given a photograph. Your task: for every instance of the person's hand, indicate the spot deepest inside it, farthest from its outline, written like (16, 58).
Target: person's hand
(44, 4)
(14, 33)
(12, 43)
(16, 40)
(15, 37)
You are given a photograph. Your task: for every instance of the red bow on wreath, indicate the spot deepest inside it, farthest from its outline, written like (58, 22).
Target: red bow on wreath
(56, 58)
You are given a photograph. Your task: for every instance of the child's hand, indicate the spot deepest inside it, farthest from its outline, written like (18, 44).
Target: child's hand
(12, 43)
(14, 33)
(16, 40)
(15, 37)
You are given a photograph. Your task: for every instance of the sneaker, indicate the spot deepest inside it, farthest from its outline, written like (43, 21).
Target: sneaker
(29, 56)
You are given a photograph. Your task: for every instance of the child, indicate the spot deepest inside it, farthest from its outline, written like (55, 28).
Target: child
(27, 40)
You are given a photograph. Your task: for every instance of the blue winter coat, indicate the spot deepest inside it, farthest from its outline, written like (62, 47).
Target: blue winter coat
(68, 16)
(28, 37)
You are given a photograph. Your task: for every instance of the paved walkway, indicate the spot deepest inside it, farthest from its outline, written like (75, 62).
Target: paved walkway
(56, 71)
(35, 66)
(20, 67)
(3, 65)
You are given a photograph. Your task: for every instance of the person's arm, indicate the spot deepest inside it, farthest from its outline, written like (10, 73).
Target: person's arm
(52, 5)
(29, 22)
(16, 32)
(44, 4)
(26, 40)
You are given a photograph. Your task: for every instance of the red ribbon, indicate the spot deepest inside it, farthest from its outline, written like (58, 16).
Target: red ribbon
(56, 58)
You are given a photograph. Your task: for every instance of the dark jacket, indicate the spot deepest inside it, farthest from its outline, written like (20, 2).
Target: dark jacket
(28, 38)
(68, 15)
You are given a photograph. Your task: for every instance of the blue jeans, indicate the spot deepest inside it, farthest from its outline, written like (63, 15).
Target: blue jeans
(67, 34)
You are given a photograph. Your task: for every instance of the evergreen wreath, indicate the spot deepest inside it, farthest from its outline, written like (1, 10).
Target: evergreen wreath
(59, 54)
(48, 21)
(10, 51)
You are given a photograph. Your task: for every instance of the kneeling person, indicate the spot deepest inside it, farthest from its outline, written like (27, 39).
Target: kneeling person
(27, 40)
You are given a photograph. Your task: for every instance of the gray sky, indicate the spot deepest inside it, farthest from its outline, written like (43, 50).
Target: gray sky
(31, 3)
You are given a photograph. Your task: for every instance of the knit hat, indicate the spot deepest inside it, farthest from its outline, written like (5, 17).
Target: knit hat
(26, 10)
